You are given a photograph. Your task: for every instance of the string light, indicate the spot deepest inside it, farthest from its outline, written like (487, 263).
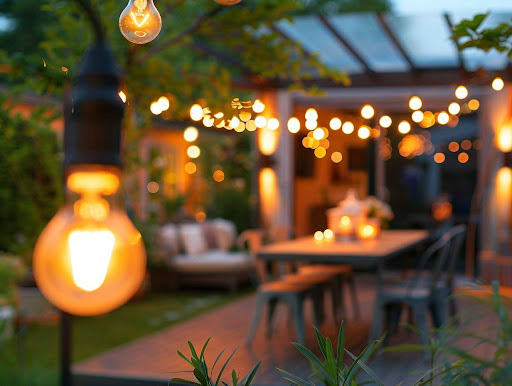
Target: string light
(363, 132)
(498, 84)
(193, 151)
(318, 134)
(385, 121)
(190, 134)
(335, 124)
(473, 104)
(367, 111)
(273, 124)
(234, 122)
(453, 147)
(196, 112)
(218, 175)
(140, 22)
(260, 121)
(454, 108)
(443, 118)
(336, 157)
(190, 168)
(415, 103)
(504, 139)
(348, 127)
(439, 158)
(293, 125)
(404, 127)
(463, 158)
(417, 116)
(155, 108)
(466, 144)
(258, 107)
(319, 235)
(311, 124)
(311, 114)
(461, 92)
(320, 152)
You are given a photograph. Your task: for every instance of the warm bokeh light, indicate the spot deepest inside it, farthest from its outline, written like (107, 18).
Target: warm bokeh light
(273, 124)
(415, 103)
(140, 22)
(164, 103)
(439, 158)
(453, 147)
(311, 114)
(473, 104)
(153, 187)
(454, 108)
(241, 127)
(461, 92)
(363, 132)
(155, 108)
(335, 124)
(417, 116)
(385, 121)
(122, 95)
(367, 112)
(504, 139)
(319, 134)
(258, 107)
(208, 121)
(233, 123)
(319, 235)
(443, 118)
(477, 144)
(429, 120)
(218, 175)
(336, 157)
(463, 158)
(320, 152)
(190, 134)
(200, 216)
(498, 84)
(245, 115)
(348, 127)
(404, 127)
(311, 124)
(97, 182)
(293, 125)
(190, 168)
(196, 112)
(466, 144)
(267, 141)
(193, 151)
(328, 234)
(251, 125)
(260, 121)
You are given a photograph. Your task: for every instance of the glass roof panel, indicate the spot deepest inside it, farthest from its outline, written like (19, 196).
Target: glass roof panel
(366, 36)
(474, 58)
(315, 38)
(426, 38)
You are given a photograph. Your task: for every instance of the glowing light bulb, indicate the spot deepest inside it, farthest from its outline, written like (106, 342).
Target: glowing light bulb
(293, 125)
(367, 111)
(311, 124)
(273, 123)
(504, 139)
(498, 84)
(311, 114)
(363, 132)
(385, 121)
(228, 2)
(404, 127)
(164, 103)
(443, 118)
(415, 103)
(318, 134)
(260, 121)
(155, 108)
(417, 116)
(196, 112)
(122, 95)
(90, 259)
(258, 106)
(461, 92)
(190, 134)
(140, 21)
(193, 151)
(454, 108)
(348, 127)
(335, 124)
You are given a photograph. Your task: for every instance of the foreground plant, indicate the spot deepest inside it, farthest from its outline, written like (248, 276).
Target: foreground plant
(204, 376)
(331, 370)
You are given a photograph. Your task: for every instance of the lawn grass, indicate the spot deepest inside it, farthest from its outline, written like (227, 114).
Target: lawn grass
(97, 334)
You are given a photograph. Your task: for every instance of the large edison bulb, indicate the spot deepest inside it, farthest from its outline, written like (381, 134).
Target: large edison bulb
(90, 259)
(140, 21)
(228, 2)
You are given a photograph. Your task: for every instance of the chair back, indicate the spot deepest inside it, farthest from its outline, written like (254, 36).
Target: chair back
(253, 240)
(277, 233)
(456, 235)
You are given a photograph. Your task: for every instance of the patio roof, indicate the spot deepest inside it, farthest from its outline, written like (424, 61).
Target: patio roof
(394, 50)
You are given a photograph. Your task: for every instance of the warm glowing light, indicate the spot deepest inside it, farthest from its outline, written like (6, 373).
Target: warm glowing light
(208, 121)
(454, 108)
(367, 231)
(267, 141)
(319, 235)
(245, 115)
(155, 108)
(258, 107)
(190, 134)
(439, 158)
(196, 112)
(367, 111)
(404, 127)
(498, 84)
(453, 147)
(417, 116)
(251, 125)
(228, 2)
(504, 139)
(260, 121)
(190, 168)
(336, 157)
(443, 118)
(328, 234)
(415, 103)
(98, 182)
(140, 21)
(193, 151)
(466, 144)
(461, 92)
(234, 122)
(473, 104)
(348, 127)
(218, 175)
(463, 157)
(477, 144)
(311, 114)
(320, 152)
(363, 132)
(200, 216)
(385, 121)
(335, 124)
(164, 103)
(293, 125)
(273, 124)
(153, 187)
(311, 125)
(122, 95)
(318, 133)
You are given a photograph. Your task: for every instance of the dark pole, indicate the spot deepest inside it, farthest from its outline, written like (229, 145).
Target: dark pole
(65, 349)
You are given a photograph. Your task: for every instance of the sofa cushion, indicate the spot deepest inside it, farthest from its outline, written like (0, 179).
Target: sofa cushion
(209, 234)
(168, 239)
(225, 233)
(214, 261)
(194, 241)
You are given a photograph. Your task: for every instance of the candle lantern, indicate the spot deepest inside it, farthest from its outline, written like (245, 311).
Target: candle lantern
(369, 229)
(345, 218)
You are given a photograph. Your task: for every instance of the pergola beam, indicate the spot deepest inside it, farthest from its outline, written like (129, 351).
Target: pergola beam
(339, 37)
(392, 36)
(449, 23)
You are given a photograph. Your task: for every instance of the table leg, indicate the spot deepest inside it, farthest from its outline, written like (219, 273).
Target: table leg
(376, 328)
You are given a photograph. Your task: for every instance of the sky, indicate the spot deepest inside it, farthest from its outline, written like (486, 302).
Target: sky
(439, 6)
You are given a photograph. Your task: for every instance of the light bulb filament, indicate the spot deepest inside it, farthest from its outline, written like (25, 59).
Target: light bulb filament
(144, 18)
(90, 253)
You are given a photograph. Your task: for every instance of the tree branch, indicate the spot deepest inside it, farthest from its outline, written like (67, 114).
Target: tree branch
(182, 35)
(171, 7)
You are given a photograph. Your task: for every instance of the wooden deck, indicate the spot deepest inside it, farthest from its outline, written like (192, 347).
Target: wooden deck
(150, 360)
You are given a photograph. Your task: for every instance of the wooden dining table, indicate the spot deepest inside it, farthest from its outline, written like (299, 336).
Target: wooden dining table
(367, 254)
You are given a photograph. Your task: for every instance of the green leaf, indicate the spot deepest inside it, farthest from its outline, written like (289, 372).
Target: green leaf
(368, 371)
(313, 360)
(341, 345)
(224, 367)
(294, 379)
(250, 377)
